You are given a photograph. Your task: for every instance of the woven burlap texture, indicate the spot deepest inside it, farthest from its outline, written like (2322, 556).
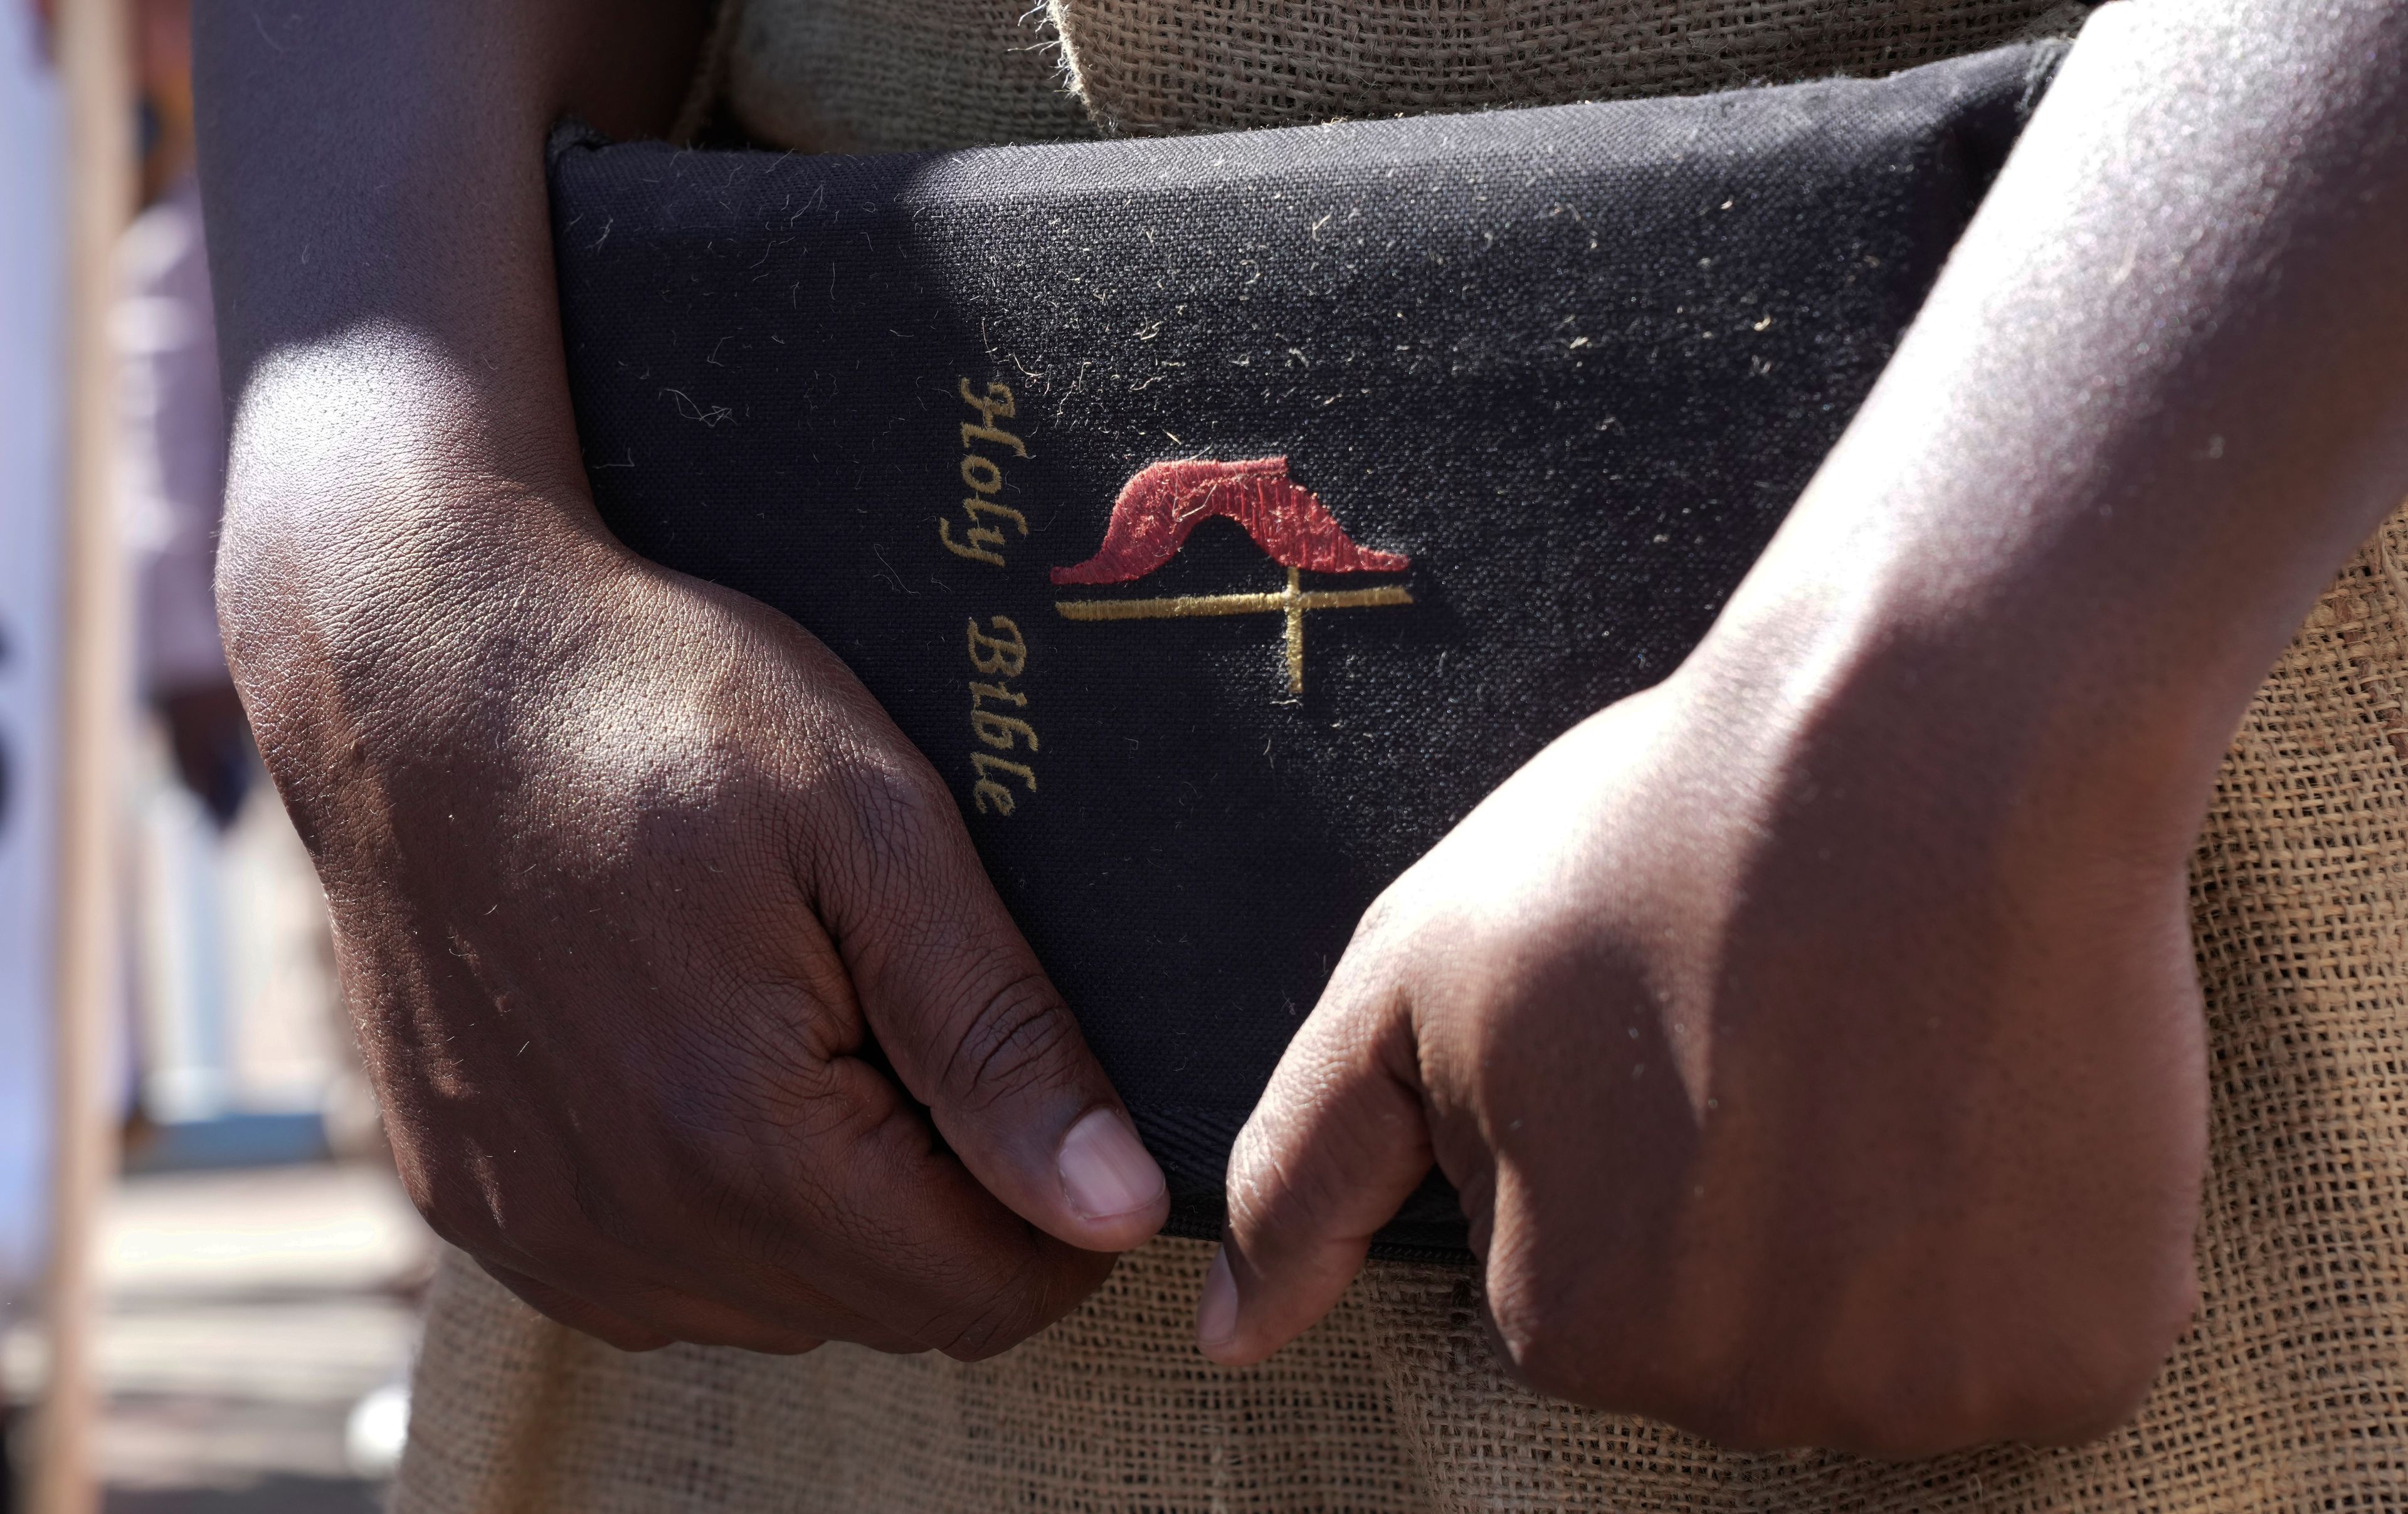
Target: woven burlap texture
(2289, 1392)
(1107, 1410)
(897, 76)
(891, 75)
(1146, 66)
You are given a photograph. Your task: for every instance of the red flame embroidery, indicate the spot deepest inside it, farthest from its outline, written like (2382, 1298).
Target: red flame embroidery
(1164, 501)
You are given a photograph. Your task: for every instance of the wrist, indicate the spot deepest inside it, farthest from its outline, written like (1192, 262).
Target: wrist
(1992, 718)
(365, 476)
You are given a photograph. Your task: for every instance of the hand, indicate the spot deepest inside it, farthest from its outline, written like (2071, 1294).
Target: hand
(658, 935)
(693, 1013)
(1807, 1080)
(1814, 1040)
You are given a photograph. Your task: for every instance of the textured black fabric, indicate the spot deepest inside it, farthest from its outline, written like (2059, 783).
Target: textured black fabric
(1574, 363)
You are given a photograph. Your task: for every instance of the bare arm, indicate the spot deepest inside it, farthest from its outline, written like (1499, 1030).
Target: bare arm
(1815, 1039)
(637, 893)
(384, 163)
(2160, 394)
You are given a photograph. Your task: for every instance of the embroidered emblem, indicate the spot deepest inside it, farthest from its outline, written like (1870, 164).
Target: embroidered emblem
(1164, 502)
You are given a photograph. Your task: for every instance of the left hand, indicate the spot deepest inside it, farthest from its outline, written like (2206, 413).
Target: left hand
(1815, 1039)
(1805, 1081)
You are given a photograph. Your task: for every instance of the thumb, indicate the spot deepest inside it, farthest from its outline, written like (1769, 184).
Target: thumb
(1337, 1144)
(975, 1030)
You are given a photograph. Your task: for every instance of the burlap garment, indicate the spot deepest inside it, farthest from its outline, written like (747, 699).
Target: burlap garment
(2287, 1394)
(1186, 65)
(2291, 1391)
(892, 76)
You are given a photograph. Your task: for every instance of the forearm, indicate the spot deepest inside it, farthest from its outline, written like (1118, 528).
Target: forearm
(375, 171)
(624, 870)
(405, 499)
(2159, 393)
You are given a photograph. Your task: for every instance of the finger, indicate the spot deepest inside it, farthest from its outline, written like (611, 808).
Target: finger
(646, 1317)
(562, 1307)
(1336, 1143)
(976, 1031)
(917, 1230)
(859, 1224)
(805, 1190)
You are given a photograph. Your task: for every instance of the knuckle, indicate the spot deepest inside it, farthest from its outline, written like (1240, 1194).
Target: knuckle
(453, 1225)
(990, 1334)
(785, 1115)
(897, 802)
(1023, 1301)
(984, 1317)
(1548, 1366)
(684, 1318)
(455, 1208)
(1724, 1405)
(1381, 918)
(1543, 1346)
(1960, 1362)
(1017, 1042)
(2054, 1383)
(774, 1342)
(1393, 917)
(538, 1231)
(1914, 1412)
(498, 1220)
(563, 1308)
(2092, 1387)
(1278, 1186)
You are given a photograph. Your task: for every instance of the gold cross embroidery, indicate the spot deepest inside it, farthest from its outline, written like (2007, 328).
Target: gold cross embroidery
(1292, 603)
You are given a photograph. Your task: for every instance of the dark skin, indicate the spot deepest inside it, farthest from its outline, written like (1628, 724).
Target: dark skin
(1881, 893)
(627, 873)
(1815, 1039)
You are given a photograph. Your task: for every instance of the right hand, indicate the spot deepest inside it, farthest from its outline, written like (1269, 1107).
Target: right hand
(1820, 1061)
(693, 1013)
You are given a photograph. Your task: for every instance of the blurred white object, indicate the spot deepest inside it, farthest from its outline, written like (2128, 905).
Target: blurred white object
(31, 277)
(379, 1428)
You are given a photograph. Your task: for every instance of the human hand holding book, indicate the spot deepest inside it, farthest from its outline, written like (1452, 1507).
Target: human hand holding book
(426, 627)
(1815, 1039)
(692, 1012)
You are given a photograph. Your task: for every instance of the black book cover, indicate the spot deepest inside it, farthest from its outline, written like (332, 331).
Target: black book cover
(1225, 516)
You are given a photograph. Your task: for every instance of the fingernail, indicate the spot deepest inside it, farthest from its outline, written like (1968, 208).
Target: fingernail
(1105, 1171)
(1216, 1312)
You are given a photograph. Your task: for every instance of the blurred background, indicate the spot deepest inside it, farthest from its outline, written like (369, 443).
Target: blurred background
(260, 1269)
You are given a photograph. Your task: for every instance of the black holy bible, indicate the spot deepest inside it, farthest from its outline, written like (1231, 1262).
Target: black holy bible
(1225, 516)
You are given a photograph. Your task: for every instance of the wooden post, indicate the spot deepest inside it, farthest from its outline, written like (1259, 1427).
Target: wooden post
(94, 52)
